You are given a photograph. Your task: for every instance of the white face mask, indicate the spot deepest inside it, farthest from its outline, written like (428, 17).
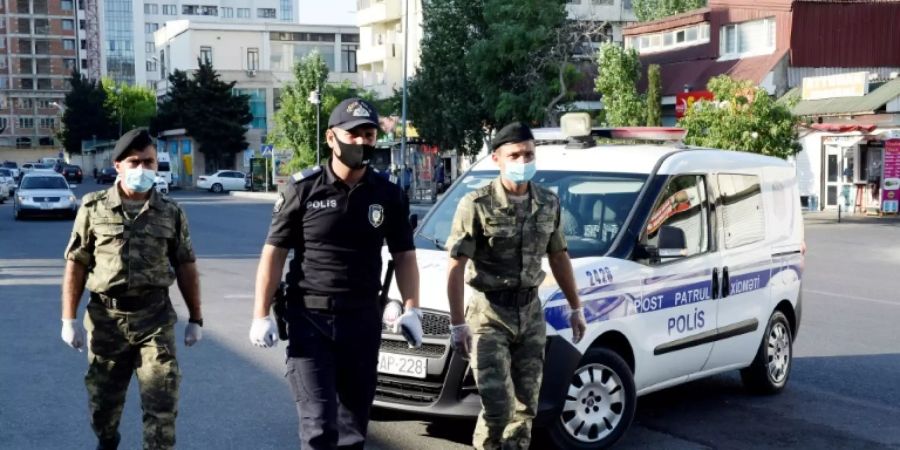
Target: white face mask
(139, 179)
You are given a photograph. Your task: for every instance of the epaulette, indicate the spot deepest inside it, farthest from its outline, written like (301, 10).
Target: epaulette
(93, 197)
(306, 173)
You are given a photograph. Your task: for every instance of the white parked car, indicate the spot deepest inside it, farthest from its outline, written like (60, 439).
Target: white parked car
(161, 185)
(8, 179)
(4, 191)
(223, 180)
(44, 194)
(688, 263)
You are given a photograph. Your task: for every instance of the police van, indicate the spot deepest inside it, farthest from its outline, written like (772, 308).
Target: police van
(688, 262)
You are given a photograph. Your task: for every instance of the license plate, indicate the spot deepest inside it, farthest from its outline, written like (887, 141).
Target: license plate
(46, 205)
(403, 365)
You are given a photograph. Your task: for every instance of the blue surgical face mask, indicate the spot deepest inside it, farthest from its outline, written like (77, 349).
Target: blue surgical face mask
(139, 179)
(519, 172)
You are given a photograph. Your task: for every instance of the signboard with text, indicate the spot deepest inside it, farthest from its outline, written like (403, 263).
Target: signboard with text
(684, 100)
(890, 179)
(834, 86)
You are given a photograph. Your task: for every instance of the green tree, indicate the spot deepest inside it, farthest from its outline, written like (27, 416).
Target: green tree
(742, 117)
(444, 101)
(654, 96)
(657, 9)
(509, 65)
(131, 106)
(174, 107)
(85, 116)
(619, 71)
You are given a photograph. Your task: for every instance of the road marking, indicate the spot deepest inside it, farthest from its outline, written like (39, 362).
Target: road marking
(852, 297)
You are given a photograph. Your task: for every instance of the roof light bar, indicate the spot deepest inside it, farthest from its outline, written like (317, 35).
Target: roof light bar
(578, 126)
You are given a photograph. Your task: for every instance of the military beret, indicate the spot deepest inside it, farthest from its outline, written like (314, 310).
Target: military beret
(352, 113)
(136, 139)
(511, 134)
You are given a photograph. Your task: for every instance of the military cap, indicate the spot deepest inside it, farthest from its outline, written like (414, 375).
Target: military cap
(352, 113)
(136, 139)
(511, 134)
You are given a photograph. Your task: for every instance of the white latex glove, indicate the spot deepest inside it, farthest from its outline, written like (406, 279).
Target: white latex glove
(72, 334)
(410, 325)
(391, 314)
(264, 332)
(579, 325)
(192, 334)
(461, 340)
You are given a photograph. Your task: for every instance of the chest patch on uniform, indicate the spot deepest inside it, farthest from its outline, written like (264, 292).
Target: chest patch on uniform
(279, 203)
(376, 215)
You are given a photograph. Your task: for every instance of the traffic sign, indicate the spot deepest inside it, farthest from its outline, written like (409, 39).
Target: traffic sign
(266, 149)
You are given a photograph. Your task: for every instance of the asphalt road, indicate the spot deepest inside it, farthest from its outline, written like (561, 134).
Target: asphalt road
(843, 393)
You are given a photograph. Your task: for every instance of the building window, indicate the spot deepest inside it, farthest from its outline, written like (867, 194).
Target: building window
(68, 24)
(150, 47)
(65, 5)
(151, 84)
(669, 40)
(209, 10)
(227, 13)
(39, 7)
(42, 66)
(170, 10)
(150, 27)
(23, 25)
(23, 142)
(753, 38)
(46, 141)
(350, 38)
(84, 64)
(206, 54)
(41, 26)
(24, 103)
(23, 6)
(190, 10)
(601, 2)
(742, 212)
(257, 103)
(151, 66)
(243, 13)
(265, 13)
(252, 59)
(47, 123)
(162, 64)
(25, 65)
(69, 64)
(151, 8)
(4, 123)
(68, 44)
(348, 58)
(41, 47)
(44, 84)
(287, 10)
(26, 122)
(81, 24)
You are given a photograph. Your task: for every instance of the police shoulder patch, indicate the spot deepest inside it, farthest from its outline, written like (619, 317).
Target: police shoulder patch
(279, 203)
(306, 173)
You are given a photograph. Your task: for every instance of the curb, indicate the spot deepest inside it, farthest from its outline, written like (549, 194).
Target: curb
(268, 196)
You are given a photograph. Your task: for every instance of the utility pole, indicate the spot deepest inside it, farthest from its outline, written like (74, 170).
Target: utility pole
(315, 98)
(405, 86)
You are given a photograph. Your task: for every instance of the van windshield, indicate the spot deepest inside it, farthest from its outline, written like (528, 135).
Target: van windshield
(594, 206)
(163, 167)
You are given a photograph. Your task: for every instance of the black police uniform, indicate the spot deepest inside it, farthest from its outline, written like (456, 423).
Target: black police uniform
(334, 317)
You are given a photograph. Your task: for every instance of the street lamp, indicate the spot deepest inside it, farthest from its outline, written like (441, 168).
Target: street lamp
(315, 99)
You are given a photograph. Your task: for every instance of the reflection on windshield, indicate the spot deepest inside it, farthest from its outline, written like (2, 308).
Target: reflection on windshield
(44, 183)
(593, 206)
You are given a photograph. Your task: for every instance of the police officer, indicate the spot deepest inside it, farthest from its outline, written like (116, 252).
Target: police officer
(505, 228)
(335, 218)
(128, 245)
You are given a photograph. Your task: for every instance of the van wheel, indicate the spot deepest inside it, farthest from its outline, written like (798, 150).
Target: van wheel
(600, 404)
(217, 188)
(770, 370)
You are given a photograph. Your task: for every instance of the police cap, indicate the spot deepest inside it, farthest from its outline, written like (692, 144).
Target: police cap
(352, 113)
(136, 139)
(511, 134)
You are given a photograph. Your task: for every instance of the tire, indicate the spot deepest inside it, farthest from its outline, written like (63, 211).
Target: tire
(217, 188)
(17, 215)
(770, 370)
(602, 377)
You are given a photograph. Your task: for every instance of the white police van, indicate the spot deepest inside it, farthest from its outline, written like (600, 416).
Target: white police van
(688, 263)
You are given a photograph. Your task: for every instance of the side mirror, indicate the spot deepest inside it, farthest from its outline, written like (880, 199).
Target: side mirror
(414, 221)
(672, 242)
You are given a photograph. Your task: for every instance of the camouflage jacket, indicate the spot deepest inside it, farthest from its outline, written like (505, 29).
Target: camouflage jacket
(485, 230)
(127, 257)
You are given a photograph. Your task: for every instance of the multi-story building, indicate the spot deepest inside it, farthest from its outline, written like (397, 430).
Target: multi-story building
(380, 54)
(258, 57)
(128, 49)
(37, 54)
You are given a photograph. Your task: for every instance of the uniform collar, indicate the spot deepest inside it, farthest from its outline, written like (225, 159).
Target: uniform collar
(114, 199)
(499, 194)
(332, 179)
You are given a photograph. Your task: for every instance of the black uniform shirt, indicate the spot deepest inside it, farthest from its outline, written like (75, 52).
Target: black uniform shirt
(337, 232)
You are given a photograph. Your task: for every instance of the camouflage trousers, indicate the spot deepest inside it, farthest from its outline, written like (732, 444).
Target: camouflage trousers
(121, 344)
(507, 359)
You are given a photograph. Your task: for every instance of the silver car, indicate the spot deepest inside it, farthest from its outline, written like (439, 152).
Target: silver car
(8, 178)
(45, 194)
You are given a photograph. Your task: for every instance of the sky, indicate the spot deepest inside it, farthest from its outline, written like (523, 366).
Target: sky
(330, 12)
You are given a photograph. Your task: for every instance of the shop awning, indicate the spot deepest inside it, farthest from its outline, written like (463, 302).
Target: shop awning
(844, 106)
(842, 128)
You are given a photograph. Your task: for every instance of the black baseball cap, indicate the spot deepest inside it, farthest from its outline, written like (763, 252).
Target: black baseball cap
(352, 113)
(511, 134)
(136, 139)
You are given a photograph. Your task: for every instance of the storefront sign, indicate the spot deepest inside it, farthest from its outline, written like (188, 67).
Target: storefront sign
(833, 86)
(684, 100)
(890, 179)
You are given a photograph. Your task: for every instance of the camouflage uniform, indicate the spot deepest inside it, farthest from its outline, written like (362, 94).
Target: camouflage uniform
(506, 241)
(128, 257)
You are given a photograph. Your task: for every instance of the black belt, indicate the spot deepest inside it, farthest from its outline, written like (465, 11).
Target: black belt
(132, 303)
(512, 297)
(320, 302)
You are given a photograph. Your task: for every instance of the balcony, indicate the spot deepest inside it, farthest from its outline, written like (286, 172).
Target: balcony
(371, 79)
(378, 53)
(370, 12)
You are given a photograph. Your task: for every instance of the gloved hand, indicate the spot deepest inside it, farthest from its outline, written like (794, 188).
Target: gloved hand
(72, 334)
(264, 332)
(461, 340)
(410, 325)
(579, 325)
(391, 314)
(192, 334)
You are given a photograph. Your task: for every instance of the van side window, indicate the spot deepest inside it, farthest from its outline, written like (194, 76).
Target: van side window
(682, 204)
(742, 209)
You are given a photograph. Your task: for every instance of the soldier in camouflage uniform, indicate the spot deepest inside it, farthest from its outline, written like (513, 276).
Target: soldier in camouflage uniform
(128, 245)
(505, 229)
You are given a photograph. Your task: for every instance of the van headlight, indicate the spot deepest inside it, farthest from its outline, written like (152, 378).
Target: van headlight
(22, 198)
(72, 199)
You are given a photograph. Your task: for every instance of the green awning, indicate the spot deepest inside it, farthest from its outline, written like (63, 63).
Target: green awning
(867, 104)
